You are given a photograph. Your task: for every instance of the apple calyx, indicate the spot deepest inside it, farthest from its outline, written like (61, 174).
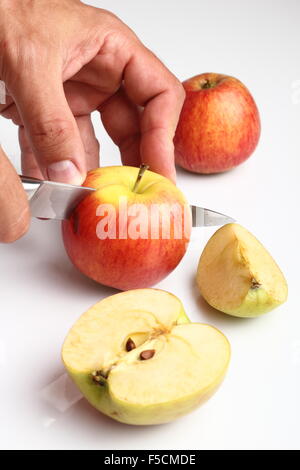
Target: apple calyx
(255, 284)
(141, 172)
(99, 377)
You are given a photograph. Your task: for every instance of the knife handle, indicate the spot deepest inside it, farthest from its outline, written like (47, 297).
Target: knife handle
(30, 185)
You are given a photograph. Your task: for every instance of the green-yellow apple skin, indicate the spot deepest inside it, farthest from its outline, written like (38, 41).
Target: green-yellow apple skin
(128, 413)
(167, 388)
(238, 276)
(219, 125)
(126, 263)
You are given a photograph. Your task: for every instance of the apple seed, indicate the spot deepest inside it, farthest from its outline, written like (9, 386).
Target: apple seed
(147, 354)
(130, 345)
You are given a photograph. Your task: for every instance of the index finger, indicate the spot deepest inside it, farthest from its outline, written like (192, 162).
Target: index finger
(150, 84)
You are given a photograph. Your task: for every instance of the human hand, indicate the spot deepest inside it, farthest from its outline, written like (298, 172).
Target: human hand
(14, 210)
(62, 60)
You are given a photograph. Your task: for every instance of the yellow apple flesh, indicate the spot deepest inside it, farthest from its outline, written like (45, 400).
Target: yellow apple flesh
(238, 276)
(136, 357)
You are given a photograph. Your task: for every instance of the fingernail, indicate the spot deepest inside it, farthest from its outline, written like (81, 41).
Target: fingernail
(64, 171)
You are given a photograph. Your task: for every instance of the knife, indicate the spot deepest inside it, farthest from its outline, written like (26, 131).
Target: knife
(52, 200)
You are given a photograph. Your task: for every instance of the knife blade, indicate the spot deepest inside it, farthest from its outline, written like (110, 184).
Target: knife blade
(52, 200)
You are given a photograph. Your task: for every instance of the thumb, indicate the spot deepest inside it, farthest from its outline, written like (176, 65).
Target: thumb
(14, 208)
(51, 128)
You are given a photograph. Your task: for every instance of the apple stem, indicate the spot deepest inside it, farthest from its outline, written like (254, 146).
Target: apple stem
(142, 170)
(207, 84)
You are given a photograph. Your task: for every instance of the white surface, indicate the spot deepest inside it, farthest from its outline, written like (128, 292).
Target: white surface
(42, 294)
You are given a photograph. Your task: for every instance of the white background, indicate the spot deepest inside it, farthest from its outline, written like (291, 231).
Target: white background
(42, 294)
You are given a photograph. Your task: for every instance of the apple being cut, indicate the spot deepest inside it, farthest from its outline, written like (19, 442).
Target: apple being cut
(238, 276)
(219, 125)
(131, 232)
(136, 357)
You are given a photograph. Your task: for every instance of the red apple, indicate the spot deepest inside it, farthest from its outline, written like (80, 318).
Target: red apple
(123, 235)
(219, 125)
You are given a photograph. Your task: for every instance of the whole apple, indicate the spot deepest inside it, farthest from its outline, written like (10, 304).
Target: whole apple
(219, 125)
(131, 232)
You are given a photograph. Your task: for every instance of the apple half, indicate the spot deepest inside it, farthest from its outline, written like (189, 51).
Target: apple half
(238, 276)
(137, 358)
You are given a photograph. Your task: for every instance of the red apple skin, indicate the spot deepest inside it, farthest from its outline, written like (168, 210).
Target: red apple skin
(219, 127)
(120, 263)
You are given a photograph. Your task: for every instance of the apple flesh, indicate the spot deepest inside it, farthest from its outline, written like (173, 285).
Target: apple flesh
(120, 260)
(238, 276)
(136, 357)
(219, 125)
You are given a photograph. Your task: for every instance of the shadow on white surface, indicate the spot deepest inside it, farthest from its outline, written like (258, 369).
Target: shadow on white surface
(42, 260)
(215, 316)
(64, 405)
(64, 272)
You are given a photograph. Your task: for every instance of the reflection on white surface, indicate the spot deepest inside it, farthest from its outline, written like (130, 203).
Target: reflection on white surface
(3, 355)
(48, 422)
(296, 352)
(296, 92)
(61, 394)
